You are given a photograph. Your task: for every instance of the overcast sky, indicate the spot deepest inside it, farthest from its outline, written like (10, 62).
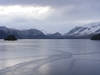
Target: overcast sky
(48, 15)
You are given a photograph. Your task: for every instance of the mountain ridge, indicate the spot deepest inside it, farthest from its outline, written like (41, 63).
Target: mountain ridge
(79, 32)
(28, 34)
(86, 31)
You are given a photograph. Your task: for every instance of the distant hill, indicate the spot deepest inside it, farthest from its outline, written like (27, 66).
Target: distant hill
(86, 31)
(56, 35)
(22, 34)
(79, 32)
(27, 34)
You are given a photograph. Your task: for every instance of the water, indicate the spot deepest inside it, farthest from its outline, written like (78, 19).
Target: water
(50, 57)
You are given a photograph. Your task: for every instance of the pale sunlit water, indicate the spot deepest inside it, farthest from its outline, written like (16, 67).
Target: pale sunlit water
(50, 57)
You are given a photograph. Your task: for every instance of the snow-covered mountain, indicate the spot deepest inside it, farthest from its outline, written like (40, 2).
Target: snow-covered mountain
(85, 31)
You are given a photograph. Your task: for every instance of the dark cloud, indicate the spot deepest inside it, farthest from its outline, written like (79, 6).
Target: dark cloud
(33, 2)
(48, 2)
(66, 12)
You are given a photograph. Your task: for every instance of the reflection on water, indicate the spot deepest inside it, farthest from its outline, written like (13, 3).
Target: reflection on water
(50, 57)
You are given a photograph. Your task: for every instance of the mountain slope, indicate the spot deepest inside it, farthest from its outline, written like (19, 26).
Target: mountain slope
(28, 34)
(22, 34)
(85, 31)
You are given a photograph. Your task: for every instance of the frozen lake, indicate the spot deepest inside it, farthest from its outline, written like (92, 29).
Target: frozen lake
(50, 57)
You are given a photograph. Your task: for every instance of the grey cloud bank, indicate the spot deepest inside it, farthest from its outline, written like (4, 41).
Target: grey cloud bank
(63, 14)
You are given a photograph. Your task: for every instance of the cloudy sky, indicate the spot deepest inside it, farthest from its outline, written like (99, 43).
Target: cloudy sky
(48, 15)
